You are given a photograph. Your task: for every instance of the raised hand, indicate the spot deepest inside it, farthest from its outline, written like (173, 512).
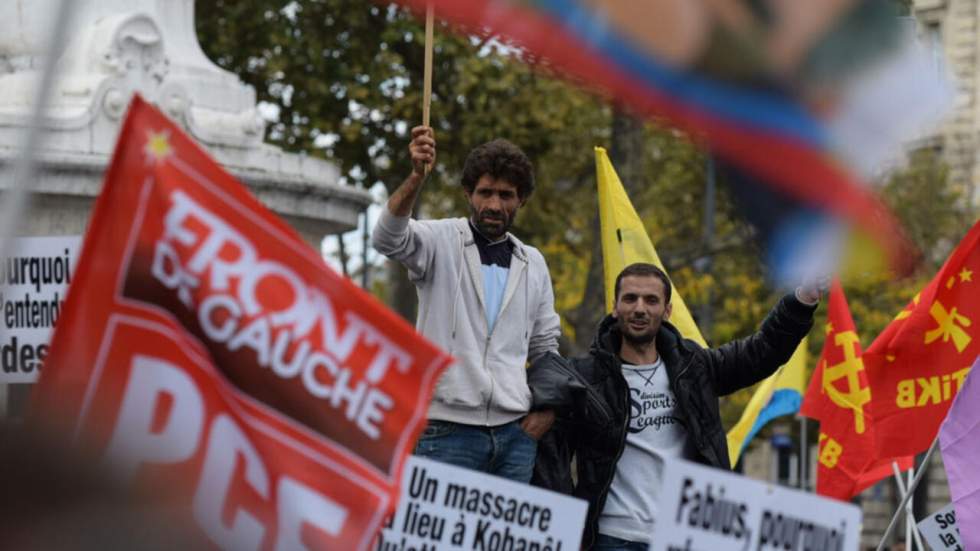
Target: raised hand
(810, 291)
(422, 149)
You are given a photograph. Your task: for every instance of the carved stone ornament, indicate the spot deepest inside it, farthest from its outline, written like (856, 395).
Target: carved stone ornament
(120, 47)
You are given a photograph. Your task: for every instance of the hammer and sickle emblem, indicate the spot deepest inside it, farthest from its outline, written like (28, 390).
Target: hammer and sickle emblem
(856, 397)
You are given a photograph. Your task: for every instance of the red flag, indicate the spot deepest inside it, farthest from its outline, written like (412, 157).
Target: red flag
(840, 398)
(919, 362)
(210, 356)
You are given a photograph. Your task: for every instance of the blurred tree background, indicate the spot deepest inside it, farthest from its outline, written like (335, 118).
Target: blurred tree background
(342, 80)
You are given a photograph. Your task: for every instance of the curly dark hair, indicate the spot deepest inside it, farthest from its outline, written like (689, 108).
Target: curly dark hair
(501, 160)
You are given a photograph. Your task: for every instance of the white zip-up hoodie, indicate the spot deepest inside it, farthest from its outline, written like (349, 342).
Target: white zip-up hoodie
(487, 385)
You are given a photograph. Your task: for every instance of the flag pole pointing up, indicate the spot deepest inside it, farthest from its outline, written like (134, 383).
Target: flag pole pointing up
(427, 73)
(909, 492)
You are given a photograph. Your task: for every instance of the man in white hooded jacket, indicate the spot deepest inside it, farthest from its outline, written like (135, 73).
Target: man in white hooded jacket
(486, 298)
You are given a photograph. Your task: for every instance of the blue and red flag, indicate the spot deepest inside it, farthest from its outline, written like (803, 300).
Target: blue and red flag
(759, 90)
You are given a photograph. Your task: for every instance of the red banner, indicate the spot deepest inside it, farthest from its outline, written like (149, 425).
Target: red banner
(210, 356)
(840, 398)
(920, 361)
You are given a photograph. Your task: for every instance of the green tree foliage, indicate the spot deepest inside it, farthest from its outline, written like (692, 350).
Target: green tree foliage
(346, 79)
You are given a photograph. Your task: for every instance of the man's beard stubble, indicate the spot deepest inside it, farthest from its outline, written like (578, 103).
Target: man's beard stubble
(643, 339)
(491, 231)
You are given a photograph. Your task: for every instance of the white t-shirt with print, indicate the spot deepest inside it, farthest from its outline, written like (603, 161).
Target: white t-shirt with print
(654, 433)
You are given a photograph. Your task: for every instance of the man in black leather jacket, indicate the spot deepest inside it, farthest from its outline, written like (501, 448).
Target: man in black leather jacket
(644, 393)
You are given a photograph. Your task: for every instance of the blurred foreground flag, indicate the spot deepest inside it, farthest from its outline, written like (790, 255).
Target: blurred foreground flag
(625, 241)
(780, 394)
(799, 95)
(213, 361)
(919, 362)
(959, 440)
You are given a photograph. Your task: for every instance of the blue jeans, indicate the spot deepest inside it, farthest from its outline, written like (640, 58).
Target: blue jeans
(610, 543)
(504, 450)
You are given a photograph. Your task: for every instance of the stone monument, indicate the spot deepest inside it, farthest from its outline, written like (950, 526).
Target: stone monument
(117, 48)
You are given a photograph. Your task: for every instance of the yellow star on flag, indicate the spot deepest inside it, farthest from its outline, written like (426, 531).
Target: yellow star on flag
(829, 328)
(907, 312)
(158, 146)
(966, 275)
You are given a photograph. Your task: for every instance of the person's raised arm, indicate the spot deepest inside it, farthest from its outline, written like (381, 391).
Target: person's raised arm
(744, 362)
(423, 152)
(395, 235)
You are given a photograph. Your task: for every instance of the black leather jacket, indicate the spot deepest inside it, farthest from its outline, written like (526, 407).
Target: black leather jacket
(591, 396)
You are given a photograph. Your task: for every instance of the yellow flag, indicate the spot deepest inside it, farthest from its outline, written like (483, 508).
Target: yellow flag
(625, 241)
(780, 394)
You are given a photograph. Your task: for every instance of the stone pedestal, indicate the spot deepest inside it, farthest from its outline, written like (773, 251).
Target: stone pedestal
(117, 48)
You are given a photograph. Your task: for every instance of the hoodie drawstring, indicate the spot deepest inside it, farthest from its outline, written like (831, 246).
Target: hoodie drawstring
(459, 287)
(527, 295)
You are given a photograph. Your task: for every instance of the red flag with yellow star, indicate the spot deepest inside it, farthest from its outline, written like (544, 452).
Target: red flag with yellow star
(839, 397)
(920, 361)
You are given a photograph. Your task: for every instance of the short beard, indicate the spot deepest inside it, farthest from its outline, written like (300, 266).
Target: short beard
(490, 232)
(639, 340)
(635, 340)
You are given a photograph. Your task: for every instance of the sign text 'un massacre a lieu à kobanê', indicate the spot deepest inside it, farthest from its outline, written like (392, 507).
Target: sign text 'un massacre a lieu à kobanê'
(446, 507)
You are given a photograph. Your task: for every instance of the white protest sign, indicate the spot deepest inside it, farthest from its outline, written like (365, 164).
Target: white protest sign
(939, 529)
(446, 507)
(33, 281)
(705, 509)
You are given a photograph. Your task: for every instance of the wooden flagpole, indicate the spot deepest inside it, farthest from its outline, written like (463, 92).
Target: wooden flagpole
(427, 73)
